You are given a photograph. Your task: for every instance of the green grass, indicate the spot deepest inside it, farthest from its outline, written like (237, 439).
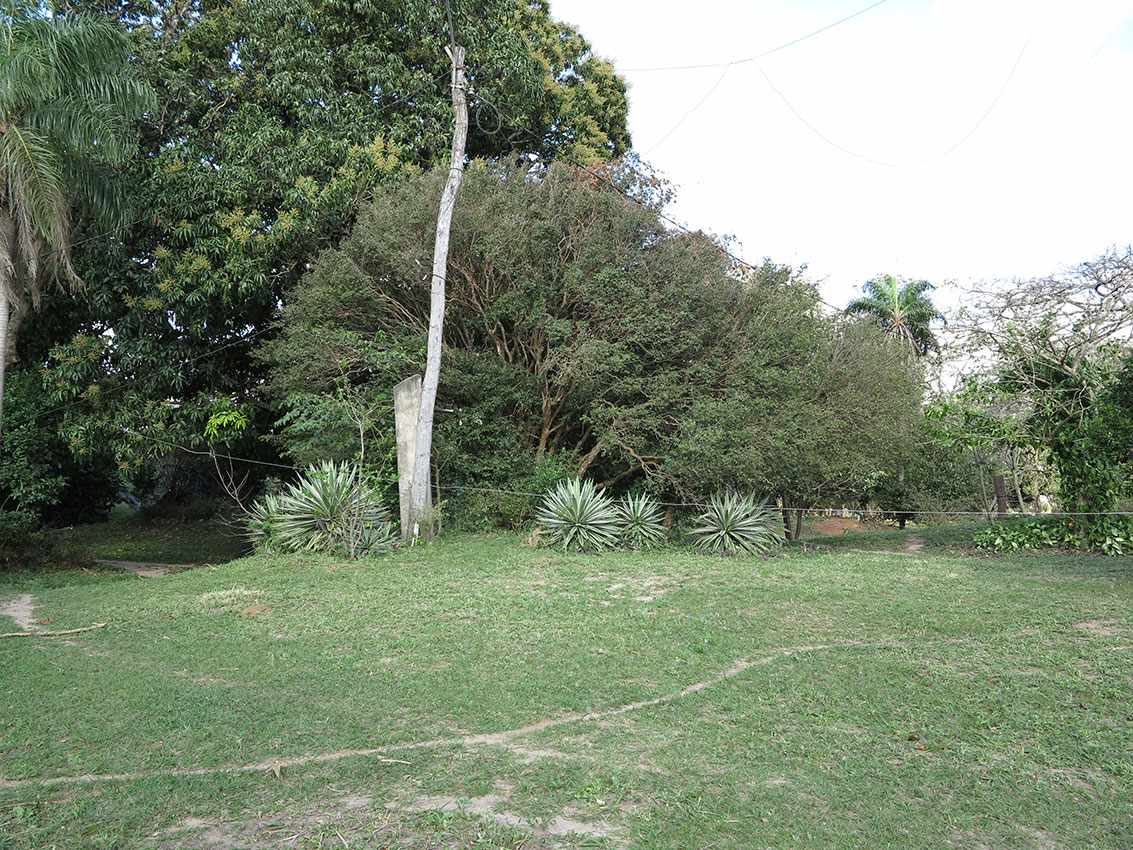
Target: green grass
(929, 700)
(130, 536)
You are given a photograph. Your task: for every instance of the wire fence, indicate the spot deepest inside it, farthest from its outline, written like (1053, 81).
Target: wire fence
(842, 511)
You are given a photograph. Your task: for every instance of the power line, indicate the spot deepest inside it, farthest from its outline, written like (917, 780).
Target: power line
(689, 113)
(994, 103)
(770, 51)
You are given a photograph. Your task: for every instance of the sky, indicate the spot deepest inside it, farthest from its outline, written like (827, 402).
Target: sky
(953, 140)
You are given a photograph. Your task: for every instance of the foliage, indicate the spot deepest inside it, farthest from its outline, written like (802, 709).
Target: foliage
(579, 327)
(642, 522)
(902, 309)
(19, 538)
(39, 472)
(1111, 535)
(1060, 376)
(68, 104)
(330, 508)
(579, 517)
(276, 121)
(732, 524)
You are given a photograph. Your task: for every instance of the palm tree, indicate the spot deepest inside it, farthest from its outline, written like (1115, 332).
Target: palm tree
(68, 103)
(902, 309)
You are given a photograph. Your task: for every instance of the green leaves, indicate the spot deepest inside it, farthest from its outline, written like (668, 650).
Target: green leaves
(576, 516)
(902, 309)
(734, 524)
(642, 523)
(331, 508)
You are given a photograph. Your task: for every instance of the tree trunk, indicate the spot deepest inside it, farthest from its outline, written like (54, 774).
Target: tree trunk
(421, 519)
(1000, 495)
(4, 308)
(798, 535)
(8, 303)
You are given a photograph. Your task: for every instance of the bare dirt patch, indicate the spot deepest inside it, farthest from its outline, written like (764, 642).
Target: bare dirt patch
(145, 569)
(488, 807)
(835, 525)
(21, 611)
(1101, 628)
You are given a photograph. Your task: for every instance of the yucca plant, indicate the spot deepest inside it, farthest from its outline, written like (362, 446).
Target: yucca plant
(577, 516)
(331, 508)
(642, 524)
(260, 521)
(733, 524)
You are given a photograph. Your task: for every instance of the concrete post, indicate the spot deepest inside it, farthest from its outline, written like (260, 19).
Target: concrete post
(406, 406)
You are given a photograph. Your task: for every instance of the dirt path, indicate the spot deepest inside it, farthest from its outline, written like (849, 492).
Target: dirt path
(143, 568)
(20, 609)
(499, 739)
(913, 544)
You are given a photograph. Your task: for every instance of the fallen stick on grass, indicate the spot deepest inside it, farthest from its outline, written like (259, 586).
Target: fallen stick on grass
(54, 634)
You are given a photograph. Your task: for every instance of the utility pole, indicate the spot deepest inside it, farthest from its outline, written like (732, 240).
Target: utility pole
(421, 519)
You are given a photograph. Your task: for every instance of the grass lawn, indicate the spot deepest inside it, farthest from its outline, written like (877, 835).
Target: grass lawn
(477, 693)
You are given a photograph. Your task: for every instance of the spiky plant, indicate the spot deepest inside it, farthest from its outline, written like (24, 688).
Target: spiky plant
(578, 516)
(260, 521)
(330, 508)
(642, 523)
(734, 524)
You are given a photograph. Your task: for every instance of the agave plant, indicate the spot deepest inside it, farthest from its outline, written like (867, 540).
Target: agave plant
(331, 508)
(642, 524)
(261, 519)
(577, 516)
(733, 523)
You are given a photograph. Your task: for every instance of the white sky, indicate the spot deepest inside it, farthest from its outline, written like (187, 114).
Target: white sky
(1044, 182)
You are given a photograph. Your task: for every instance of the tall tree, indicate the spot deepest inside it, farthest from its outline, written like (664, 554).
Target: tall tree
(278, 119)
(902, 309)
(68, 103)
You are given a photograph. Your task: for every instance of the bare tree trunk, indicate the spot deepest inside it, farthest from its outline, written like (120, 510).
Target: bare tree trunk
(798, 535)
(421, 520)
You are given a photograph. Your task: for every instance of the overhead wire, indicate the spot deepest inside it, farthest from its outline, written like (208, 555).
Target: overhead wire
(764, 54)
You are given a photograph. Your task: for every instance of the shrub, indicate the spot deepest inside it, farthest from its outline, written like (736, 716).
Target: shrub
(579, 517)
(20, 540)
(331, 508)
(733, 523)
(1111, 535)
(642, 524)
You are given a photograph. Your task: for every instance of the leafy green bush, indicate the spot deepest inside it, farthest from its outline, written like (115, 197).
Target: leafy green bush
(1111, 535)
(733, 523)
(505, 504)
(642, 523)
(20, 541)
(577, 516)
(1018, 534)
(331, 508)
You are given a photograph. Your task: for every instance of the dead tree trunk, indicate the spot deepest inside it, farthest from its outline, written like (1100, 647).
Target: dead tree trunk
(421, 521)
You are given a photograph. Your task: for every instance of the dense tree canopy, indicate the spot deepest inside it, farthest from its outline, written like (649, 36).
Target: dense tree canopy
(68, 102)
(275, 121)
(581, 332)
